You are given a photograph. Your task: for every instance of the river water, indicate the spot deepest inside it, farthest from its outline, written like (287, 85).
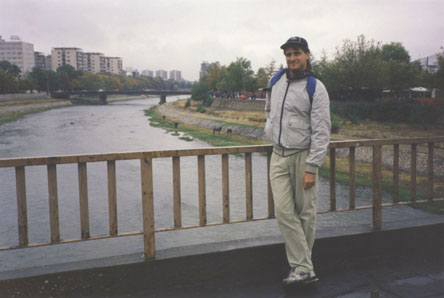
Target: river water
(122, 127)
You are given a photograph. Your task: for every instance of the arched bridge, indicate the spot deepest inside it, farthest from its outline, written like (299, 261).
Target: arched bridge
(102, 95)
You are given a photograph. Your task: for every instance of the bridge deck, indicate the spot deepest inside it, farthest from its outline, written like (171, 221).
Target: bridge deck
(403, 260)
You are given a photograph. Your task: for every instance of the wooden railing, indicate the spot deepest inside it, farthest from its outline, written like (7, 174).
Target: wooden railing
(146, 167)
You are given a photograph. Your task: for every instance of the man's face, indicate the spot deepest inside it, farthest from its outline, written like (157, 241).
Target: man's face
(296, 59)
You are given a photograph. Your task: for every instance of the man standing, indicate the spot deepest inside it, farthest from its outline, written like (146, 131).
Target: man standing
(298, 126)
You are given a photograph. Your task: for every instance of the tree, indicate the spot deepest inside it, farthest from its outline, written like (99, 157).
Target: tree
(67, 75)
(270, 68)
(214, 74)
(158, 83)
(90, 81)
(262, 78)
(394, 51)
(9, 77)
(8, 68)
(399, 72)
(326, 71)
(28, 83)
(399, 76)
(53, 80)
(363, 68)
(201, 91)
(359, 65)
(110, 82)
(41, 78)
(240, 75)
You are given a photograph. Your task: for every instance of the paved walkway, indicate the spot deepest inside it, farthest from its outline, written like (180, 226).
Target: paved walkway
(408, 276)
(399, 262)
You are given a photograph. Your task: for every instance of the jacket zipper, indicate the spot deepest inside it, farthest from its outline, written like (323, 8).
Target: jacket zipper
(282, 115)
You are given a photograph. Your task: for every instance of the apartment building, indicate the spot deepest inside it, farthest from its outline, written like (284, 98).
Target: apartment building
(63, 56)
(93, 62)
(113, 65)
(18, 52)
(48, 62)
(203, 68)
(40, 60)
(148, 73)
(162, 74)
(176, 75)
(87, 61)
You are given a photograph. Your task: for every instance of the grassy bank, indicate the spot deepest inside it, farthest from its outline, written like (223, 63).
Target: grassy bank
(363, 170)
(203, 134)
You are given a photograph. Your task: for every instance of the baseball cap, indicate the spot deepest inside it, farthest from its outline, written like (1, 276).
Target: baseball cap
(295, 41)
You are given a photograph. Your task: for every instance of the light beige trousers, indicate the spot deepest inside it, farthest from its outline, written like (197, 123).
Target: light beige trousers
(295, 208)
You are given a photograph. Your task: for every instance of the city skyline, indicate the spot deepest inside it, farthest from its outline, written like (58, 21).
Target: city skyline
(182, 34)
(22, 54)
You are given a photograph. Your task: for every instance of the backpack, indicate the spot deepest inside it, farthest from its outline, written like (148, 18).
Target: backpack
(311, 83)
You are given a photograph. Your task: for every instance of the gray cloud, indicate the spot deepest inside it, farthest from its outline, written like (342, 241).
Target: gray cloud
(181, 34)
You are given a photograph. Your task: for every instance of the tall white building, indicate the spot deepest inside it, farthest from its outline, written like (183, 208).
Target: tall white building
(18, 52)
(176, 75)
(162, 74)
(203, 68)
(148, 73)
(63, 56)
(94, 62)
(89, 61)
(113, 65)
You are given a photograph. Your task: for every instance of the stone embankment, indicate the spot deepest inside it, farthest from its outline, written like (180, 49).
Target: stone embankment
(363, 154)
(240, 105)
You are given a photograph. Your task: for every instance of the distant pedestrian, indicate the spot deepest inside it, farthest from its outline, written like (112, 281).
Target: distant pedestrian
(299, 129)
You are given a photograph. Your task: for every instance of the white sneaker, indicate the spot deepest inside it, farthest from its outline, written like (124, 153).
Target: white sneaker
(299, 277)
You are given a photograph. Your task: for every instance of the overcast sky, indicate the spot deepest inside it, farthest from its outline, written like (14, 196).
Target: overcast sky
(173, 34)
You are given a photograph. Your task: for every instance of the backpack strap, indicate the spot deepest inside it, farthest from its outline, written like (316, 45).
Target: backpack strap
(311, 83)
(276, 77)
(311, 87)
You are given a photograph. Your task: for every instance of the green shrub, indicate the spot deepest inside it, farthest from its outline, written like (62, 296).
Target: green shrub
(200, 91)
(201, 109)
(208, 101)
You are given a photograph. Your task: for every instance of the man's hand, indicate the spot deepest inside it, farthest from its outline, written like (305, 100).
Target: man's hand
(309, 180)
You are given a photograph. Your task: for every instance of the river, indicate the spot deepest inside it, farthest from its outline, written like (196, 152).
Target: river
(122, 127)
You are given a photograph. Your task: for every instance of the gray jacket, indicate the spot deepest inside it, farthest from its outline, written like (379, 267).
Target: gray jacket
(293, 124)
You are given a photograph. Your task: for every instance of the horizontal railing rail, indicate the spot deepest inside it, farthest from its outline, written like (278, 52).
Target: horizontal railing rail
(147, 196)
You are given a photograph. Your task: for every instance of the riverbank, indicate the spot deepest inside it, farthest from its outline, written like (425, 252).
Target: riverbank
(246, 128)
(15, 108)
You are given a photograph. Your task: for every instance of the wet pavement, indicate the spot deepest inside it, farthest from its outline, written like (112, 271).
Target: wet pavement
(382, 276)
(402, 261)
